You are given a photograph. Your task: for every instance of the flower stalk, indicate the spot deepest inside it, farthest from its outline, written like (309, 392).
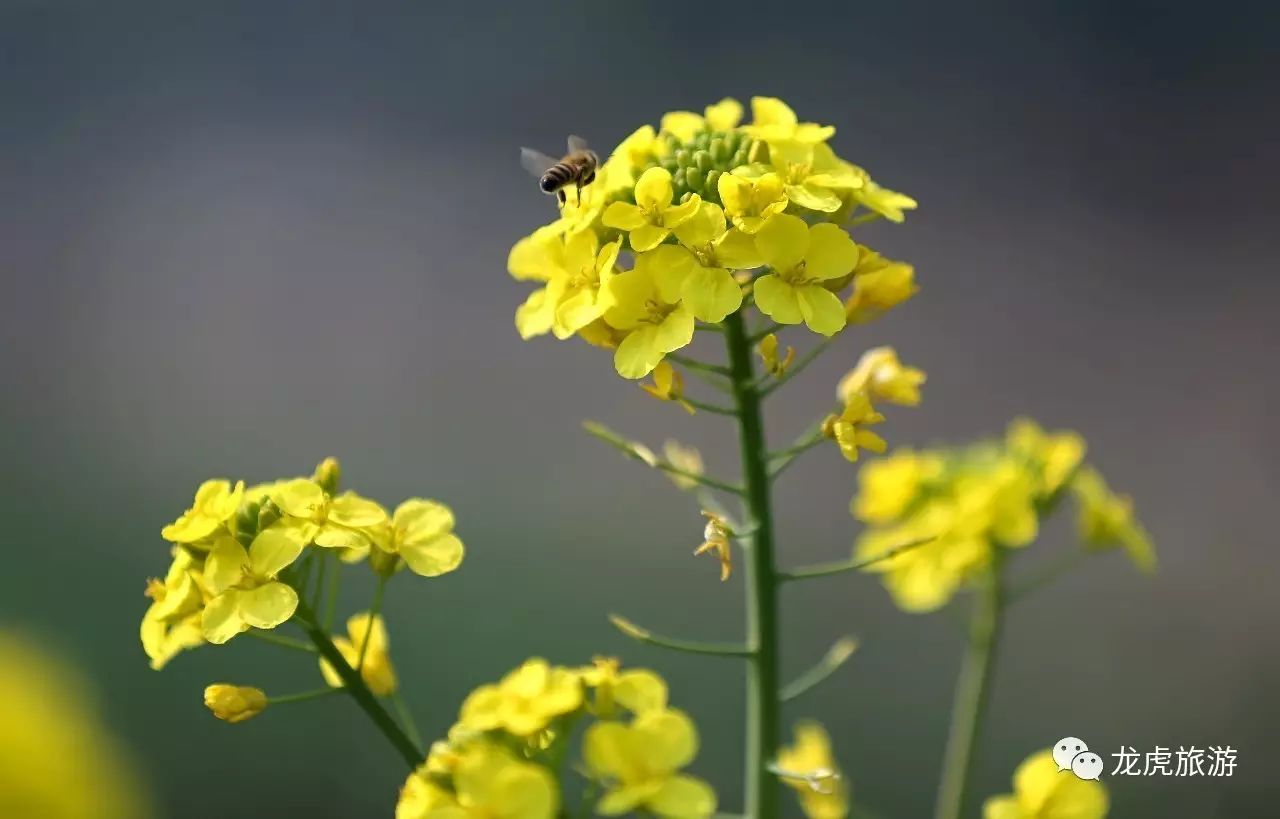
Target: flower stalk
(354, 685)
(973, 691)
(761, 578)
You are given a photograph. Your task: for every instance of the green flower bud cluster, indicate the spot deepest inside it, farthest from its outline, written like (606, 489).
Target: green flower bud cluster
(696, 165)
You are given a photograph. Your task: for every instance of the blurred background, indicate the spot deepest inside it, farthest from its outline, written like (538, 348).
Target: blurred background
(237, 237)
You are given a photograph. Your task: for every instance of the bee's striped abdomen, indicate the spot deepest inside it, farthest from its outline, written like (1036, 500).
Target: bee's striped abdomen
(556, 177)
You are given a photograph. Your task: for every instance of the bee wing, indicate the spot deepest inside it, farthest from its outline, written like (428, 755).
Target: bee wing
(535, 162)
(576, 143)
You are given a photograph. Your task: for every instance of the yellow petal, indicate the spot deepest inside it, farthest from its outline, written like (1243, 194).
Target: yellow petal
(683, 797)
(221, 619)
(783, 241)
(268, 605)
(679, 214)
(300, 497)
(777, 300)
(647, 237)
(831, 253)
(363, 627)
(350, 509)
(712, 293)
(821, 309)
(225, 565)
(338, 537)
(654, 190)
(623, 216)
(434, 556)
(273, 550)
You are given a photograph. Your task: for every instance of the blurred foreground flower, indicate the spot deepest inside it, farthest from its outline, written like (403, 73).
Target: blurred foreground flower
(1041, 791)
(57, 758)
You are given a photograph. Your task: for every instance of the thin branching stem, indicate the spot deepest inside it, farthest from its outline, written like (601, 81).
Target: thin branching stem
(702, 366)
(715, 409)
(375, 609)
(780, 460)
(281, 640)
(303, 696)
(643, 635)
(406, 717)
(1050, 573)
(849, 565)
(836, 656)
(758, 336)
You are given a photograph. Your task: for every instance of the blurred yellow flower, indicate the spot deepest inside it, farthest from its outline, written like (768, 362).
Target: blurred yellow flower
(420, 533)
(801, 258)
(366, 636)
(638, 690)
(234, 703)
(639, 765)
(878, 285)
(887, 203)
(216, 503)
(489, 783)
(882, 376)
(1055, 456)
(1041, 791)
(685, 458)
(525, 701)
(243, 586)
(888, 486)
(685, 125)
(849, 428)
(57, 758)
(334, 522)
(819, 785)
(652, 218)
(1106, 519)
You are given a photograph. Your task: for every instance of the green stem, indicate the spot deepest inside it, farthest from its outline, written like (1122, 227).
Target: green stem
(695, 364)
(849, 565)
(354, 685)
(835, 657)
(304, 696)
(406, 717)
(643, 635)
(714, 409)
(1047, 576)
(761, 800)
(331, 599)
(972, 693)
(279, 640)
(375, 609)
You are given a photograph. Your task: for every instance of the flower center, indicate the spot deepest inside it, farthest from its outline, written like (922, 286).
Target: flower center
(657, 312)
(797, 172)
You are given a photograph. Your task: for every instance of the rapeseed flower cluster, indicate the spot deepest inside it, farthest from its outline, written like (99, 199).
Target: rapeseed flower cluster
(968, 503)
(503, 756)
(241, 555)
(699, 218)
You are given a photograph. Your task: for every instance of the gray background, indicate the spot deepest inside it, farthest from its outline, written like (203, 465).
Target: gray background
(237, 237)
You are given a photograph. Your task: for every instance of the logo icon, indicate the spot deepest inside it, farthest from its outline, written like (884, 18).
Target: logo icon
(1073, 754)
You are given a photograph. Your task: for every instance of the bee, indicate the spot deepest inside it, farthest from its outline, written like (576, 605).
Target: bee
(577, 168)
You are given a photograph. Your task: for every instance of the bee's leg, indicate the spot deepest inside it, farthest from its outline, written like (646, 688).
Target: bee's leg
(560, 195)
(591, 177)
(578, 191)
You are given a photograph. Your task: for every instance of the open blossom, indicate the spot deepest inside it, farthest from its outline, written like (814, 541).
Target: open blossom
(1041, 791)
(809, 768)
(639, 764)
(708, 209)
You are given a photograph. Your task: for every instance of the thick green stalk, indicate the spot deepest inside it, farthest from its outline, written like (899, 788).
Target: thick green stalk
(973, 691)
(354, 685)
(762, 582)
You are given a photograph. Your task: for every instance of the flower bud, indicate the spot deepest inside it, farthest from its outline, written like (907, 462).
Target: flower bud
(234, 703)
(247, 521)
(268, 514)
(327, 474)
(383, 563)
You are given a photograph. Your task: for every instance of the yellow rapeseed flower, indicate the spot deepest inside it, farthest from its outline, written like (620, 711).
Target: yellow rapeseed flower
(367, 635)
(489, 782)
(713, 250)
(881, 375)
(648, 306)
(243, 585)
(652, 218)
(812, 176)
(216, 503)
(768, 350)
(1054, 456)
(234, 703)
(668, 385)
(878, 285)
(171, 623)
(1041, 791)
(638, 690)
(887, 203)
(576, 270)
(816, 778)
(849, 428)
(685, 125)
(334, 522)
(639, 765)
(888, 486)
(801, 258)
(525, 701)
(420, 533)
(1106, 519)
(772, 120)
(750, 202)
